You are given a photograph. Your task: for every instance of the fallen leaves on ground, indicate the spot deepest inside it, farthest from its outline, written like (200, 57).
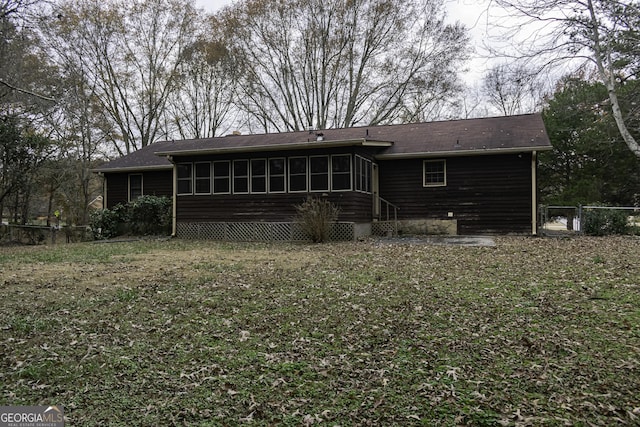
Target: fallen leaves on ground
(528, 332)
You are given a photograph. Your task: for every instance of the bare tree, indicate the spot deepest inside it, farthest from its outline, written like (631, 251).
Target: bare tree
(335, 63)
(513, 89)
(472, 102)
(203, 103)
(24, 77)
(131, 51)
(564, 32)
(9, 8)
(82, 129)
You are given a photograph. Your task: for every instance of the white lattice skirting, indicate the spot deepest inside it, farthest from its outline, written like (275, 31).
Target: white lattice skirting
(257, 231)
(384, 228)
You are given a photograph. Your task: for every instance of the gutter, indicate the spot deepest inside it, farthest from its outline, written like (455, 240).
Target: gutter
(461, 152)
(133, 169)
(534, 193)
(278, 147)
(174, 197)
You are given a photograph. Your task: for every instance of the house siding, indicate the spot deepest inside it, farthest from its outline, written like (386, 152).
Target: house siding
(154, 183)
(486, 194)
(354, 207)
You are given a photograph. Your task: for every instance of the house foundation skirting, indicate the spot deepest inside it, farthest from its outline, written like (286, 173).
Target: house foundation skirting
(265, 231)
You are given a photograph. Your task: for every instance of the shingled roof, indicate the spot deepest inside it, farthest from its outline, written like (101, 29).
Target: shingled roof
(443, 138)
(142, 159)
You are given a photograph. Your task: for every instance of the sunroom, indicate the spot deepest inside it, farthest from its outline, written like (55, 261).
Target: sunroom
(250, 194)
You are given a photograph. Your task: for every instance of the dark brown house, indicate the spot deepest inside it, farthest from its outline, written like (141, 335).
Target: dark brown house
(455, 177)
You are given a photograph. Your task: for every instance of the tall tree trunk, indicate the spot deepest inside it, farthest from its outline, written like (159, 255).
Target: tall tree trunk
(608, 78)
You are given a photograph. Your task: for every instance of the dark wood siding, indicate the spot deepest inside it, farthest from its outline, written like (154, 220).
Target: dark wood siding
(354, 207)
(158, 183)
(116, 184)
(154, 183)
(487, 194)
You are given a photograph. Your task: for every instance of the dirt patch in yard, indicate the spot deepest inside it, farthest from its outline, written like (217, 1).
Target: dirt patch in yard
(156, 266)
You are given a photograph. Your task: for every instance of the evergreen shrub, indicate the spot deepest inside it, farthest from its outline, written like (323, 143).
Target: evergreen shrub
(604, 222)
(147, 215)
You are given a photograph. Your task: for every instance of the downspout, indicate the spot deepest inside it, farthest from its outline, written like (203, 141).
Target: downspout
(534, 193)
(174, 197)
(104, 190)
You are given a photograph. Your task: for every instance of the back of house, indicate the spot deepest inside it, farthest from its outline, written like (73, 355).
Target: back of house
(474, 176)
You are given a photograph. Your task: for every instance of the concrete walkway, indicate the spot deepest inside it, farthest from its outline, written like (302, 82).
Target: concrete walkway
(441, 240)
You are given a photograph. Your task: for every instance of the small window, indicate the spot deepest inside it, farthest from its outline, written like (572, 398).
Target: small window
(277, 176)
(203, 178)
(319, 173)
(240, 176)
(341, 172)
(135, 186)
(297, 174)
(435, 173)
(258, 175)
(221, 177)
(185, 178)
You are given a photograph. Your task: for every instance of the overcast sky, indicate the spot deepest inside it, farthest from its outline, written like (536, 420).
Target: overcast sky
(469, 12)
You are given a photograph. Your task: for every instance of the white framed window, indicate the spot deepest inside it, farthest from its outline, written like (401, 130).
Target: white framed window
(258, 175)
(222, 177)
(240, 176)
(319, 173)
(341, 172)
(135, 186)
(363, 174)
(202, 178)
(185, 178)
(434, 173)
(297, 174)
(277, 175)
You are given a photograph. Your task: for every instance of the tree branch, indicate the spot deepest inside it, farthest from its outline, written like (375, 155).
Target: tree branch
(27, 92)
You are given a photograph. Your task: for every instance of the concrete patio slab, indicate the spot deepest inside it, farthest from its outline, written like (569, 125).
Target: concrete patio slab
(442, 240)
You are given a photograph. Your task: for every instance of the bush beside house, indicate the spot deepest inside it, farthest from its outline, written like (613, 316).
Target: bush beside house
(147, 215)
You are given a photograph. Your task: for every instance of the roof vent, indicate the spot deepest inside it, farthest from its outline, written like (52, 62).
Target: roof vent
(319, 137)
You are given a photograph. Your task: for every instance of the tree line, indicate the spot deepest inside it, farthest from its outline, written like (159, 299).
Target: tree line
(82, 81)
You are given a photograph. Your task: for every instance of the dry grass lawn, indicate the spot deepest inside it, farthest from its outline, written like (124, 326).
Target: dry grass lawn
(528, 332)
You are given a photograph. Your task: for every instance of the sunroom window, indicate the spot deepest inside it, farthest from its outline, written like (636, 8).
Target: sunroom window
(363, 174)
(203, 178)
(319, 173)
(258, 175)
(221, 177)
(240, 176)
(277, 176)
(297, 174)
(341, 172)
